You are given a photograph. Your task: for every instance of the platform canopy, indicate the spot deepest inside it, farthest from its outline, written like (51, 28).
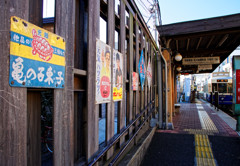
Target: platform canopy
(197, 41)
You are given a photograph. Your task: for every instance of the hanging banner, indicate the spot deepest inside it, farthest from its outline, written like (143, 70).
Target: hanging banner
(149, 73)
(117, 75)
(37, 57)
(103, 72)
(134, 81)
(142, 69)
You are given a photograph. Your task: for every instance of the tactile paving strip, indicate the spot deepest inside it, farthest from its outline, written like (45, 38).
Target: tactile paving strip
(206, 122)
(203, 151)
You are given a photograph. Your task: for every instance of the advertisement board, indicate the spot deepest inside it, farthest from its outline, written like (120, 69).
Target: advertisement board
(37, 57)
(117, 75)
(103, 72)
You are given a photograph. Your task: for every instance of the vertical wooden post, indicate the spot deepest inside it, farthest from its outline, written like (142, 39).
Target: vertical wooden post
(136, 67)
(35, 12)
(13, 100)
(130, 106)
(64, 98)
(34, 100)
(122, 112)
(167, 56)
(93, 109)
(146, 83)
(110, 41)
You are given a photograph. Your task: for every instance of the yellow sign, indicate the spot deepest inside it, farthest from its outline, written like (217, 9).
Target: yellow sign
(117, 75)
(37, 57)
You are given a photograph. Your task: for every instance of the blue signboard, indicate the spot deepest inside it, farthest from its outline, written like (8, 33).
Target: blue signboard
(142, 69)
(37, 57)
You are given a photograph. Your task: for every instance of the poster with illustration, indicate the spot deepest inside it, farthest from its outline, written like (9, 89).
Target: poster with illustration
(149, 73)
(37, 56)
(103, 72)
(134, 81)
(142, 69)
(117, 75)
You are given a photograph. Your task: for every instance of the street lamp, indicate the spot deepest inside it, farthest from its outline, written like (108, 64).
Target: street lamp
(179, 68)
(178, 57)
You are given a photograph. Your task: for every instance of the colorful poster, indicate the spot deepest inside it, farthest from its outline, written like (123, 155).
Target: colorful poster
(103, 72)
(237, 86)
(134, 81)
(117, 75)
(149, 73)
(142, 69)
(37, 57)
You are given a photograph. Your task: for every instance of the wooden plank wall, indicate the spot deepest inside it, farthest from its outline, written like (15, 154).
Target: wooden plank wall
(93, 109)
(13, 101)
(64, 98)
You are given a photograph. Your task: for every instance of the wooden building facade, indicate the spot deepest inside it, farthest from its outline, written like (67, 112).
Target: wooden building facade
(75, 115)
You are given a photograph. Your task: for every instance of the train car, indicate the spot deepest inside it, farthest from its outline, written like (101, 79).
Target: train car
(220, 82)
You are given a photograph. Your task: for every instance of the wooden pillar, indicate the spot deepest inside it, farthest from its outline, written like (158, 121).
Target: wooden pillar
(136, 67)
(93, 109)
(145, 82)
(64, 98)
(122, 112)
(13, 101)
(110, 41)
(130, 105)
(167, 56)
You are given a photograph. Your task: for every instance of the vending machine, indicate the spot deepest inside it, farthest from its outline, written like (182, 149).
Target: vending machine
(236, 88)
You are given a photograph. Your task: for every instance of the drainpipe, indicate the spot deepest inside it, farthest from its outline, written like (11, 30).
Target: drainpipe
(160, 104)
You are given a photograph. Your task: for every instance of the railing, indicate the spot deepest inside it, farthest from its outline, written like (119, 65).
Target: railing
(113, 142)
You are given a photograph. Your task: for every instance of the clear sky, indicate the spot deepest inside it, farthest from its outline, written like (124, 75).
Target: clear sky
(173, 11)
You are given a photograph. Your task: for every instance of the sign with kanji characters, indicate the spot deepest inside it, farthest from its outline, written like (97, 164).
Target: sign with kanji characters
(103, 72)
(134, 81)
(149, 73)
(37, 57)
(117, 75)
(142, 69)
(201, 60)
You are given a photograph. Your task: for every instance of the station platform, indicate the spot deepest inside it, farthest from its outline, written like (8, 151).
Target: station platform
(201, 136)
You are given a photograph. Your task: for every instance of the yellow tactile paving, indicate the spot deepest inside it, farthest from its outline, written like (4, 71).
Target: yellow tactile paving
(203, 151)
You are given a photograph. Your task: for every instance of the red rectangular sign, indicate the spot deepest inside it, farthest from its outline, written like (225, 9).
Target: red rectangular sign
(238, 86)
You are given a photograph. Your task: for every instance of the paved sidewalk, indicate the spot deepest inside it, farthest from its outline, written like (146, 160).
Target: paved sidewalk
(188, 121)
(201, 136)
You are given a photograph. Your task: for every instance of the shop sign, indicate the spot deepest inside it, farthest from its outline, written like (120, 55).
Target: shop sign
(201, 60)
(204, 67)
(37, 57)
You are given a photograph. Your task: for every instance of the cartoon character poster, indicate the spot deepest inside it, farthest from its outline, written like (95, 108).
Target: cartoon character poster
(117, 75)
(103, 72)
(142, 69)
(149, 73)
(134, 81)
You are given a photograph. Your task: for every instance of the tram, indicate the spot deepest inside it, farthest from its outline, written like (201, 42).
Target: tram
(220, 82)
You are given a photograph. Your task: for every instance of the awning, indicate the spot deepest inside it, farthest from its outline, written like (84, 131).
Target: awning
(212, 37)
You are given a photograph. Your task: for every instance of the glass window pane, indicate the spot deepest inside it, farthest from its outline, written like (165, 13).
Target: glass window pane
(214, 87)
(230, 90)
(222, 88)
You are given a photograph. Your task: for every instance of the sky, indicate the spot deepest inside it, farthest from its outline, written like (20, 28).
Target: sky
(173, 11)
